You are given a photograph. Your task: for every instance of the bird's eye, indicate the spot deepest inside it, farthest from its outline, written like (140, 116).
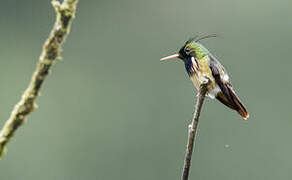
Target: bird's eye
(187, 50)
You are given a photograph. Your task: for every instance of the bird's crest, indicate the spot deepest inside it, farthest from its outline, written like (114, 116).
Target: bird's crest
(198, 39)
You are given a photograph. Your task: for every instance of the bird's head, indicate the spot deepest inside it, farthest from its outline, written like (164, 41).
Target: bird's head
(192, 48)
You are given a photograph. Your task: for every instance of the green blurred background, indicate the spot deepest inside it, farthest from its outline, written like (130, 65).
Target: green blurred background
(110, 110)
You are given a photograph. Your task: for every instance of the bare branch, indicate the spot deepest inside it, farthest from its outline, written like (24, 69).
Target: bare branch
(65, 13)
(193, 128)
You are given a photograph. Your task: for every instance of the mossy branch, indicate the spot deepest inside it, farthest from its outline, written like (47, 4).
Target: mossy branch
(65, 13)
(193, 128)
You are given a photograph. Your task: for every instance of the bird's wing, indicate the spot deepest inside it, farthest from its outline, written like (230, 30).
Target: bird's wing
(227, 95)
(222, 72)
(224, 96)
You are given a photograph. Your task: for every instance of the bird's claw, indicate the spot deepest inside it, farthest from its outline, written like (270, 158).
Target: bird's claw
(205, 79)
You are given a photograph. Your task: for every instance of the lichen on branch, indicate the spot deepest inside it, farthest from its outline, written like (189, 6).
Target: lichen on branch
(65, 13)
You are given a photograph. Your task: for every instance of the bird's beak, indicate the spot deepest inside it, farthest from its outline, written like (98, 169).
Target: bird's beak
(170, 57)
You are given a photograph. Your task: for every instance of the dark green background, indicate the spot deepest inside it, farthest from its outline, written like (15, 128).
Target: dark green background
(110, 110)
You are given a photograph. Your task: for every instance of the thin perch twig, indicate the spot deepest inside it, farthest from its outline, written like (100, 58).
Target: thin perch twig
(193, 129)
(65, 13)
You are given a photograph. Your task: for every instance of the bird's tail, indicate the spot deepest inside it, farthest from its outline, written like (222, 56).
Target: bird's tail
(231, 100)
(239, 106)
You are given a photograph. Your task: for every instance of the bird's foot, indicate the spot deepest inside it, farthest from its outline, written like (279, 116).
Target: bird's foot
(205, 79)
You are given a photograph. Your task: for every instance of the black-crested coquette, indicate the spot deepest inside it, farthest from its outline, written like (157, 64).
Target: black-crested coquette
(200, 63)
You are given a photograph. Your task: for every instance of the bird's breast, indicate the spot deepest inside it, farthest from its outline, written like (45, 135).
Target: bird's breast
(198, 77)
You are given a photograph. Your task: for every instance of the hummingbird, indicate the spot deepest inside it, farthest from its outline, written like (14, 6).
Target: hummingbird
(199, 64)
